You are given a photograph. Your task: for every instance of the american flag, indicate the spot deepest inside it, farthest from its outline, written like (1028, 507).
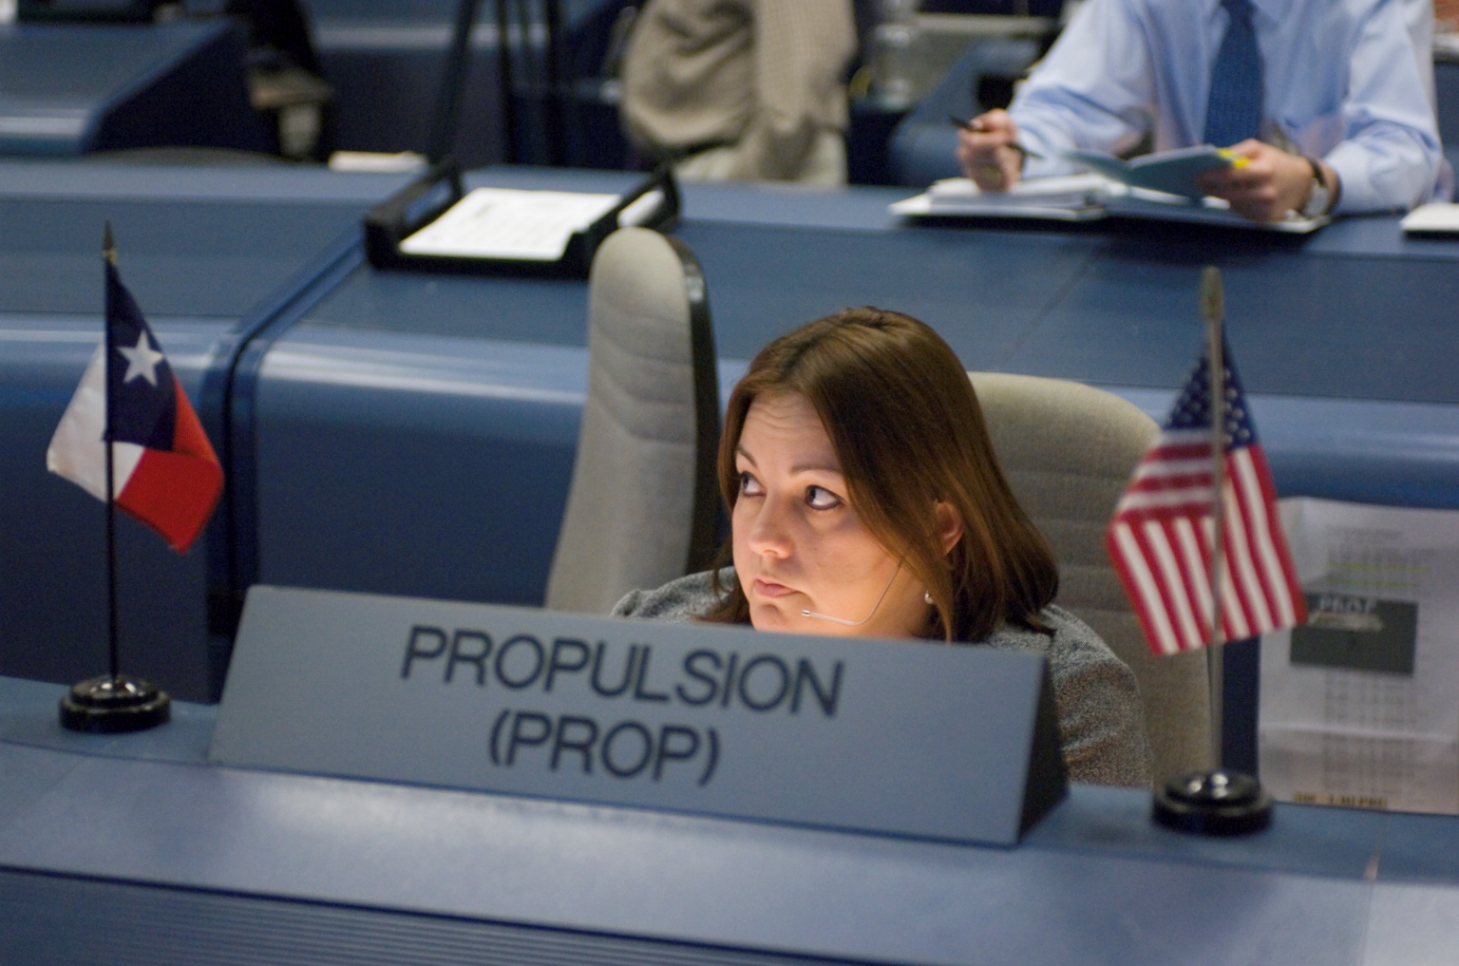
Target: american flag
(1160, 537)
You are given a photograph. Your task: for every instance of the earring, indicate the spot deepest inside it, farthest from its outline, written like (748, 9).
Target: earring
(927, 596)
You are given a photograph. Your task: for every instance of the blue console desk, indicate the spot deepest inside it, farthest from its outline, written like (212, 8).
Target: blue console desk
(74, 89)
(134, 850)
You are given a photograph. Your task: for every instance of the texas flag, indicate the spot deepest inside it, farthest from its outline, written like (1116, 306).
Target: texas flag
(164, 470)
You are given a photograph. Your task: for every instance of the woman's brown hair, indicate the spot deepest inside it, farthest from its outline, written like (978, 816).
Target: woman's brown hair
(906, 426)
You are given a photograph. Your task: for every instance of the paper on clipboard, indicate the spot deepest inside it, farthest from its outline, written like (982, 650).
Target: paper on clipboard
(1360, 707)
(510, 223)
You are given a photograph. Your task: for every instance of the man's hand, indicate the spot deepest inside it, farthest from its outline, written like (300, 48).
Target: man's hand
(986, 153)
(1265, 183)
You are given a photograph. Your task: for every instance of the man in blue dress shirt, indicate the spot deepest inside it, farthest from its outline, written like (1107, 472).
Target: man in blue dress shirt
(1328, 100)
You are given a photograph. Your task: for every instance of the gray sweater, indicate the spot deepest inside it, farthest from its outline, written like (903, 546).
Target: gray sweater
(1101, 729)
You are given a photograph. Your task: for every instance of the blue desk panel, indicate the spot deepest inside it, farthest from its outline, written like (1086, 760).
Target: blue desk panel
(1302, 321)
(198, 249)
(136, 839)
(73, 89)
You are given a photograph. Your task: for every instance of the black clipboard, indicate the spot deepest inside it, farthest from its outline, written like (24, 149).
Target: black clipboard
(430, 196)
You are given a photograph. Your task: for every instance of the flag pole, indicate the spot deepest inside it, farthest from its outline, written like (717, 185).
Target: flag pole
(109, 255)
(114, 702)
(1213, 309)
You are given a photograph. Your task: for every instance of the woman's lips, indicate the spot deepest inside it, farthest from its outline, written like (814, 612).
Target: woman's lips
(769, 588)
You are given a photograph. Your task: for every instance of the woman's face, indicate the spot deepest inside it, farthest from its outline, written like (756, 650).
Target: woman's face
(798, 543)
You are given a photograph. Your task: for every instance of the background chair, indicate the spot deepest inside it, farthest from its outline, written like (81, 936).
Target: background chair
(644, 503)
(1068, 451)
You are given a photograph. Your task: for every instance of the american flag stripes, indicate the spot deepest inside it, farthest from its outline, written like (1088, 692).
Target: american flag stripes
(1161, 536)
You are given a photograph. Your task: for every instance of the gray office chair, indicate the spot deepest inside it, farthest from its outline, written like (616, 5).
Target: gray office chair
(644, 505)
(1068, 451)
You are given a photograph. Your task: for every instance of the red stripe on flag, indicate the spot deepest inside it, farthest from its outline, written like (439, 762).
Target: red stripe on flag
(1262, 595)
(1241, 613)
(1235, 623)
(174, 493)
(1128, 565)
(188, 437)
(1186, 613)
(1201, 481)
(1288, 570)
(1178, 451)
(1166, 602)
(1193, 567)
(1203, 526)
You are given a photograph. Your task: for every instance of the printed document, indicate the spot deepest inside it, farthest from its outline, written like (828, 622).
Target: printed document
(1360, 707)
(510, 223)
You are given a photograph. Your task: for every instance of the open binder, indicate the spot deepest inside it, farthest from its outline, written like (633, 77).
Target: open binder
(434, 225)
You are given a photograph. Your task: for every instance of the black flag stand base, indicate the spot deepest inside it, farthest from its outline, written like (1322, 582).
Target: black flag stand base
(114, 704)
(1219, 802)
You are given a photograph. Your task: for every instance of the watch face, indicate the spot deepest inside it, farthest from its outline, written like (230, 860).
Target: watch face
(1316, 200)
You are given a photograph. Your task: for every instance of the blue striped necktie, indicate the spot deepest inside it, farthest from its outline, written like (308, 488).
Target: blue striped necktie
(1233, 112)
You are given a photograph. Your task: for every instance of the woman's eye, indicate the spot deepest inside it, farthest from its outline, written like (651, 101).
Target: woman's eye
(820, 498)
(749, 486)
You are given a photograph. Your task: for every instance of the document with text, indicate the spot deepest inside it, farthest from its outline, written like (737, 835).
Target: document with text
(1360, 707)
(510, 223)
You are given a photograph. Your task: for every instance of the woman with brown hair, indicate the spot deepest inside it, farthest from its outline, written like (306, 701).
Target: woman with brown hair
(865, 498)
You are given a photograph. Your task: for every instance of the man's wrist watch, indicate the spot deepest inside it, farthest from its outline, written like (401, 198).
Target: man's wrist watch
(1319, 196)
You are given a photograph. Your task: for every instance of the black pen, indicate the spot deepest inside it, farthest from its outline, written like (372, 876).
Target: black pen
(969, 126)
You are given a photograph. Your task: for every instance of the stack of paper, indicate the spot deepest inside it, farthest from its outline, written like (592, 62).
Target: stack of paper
(1073, 198)
(509, 223)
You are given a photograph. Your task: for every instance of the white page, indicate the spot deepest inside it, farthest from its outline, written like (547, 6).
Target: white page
(509, 223)
(1434, 216)
(1409, 773)
(1377, 724)
(1067, 191)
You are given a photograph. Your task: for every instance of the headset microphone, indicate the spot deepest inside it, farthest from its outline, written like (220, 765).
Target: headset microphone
(844, 621)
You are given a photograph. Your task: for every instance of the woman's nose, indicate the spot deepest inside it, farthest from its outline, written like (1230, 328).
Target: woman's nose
(769, 532)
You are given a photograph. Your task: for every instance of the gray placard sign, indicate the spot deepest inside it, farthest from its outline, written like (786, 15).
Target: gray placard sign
(883, 736)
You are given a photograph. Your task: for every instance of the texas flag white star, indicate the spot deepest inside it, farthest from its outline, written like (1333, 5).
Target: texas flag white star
(142, 360)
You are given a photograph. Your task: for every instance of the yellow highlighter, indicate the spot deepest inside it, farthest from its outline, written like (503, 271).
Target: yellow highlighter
(1237, 160)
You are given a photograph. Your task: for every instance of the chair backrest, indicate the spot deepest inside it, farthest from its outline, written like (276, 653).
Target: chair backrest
(1068, 451)
(643, 507)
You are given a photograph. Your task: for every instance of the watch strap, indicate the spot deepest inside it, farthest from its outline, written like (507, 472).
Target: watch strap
(1319, 198)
